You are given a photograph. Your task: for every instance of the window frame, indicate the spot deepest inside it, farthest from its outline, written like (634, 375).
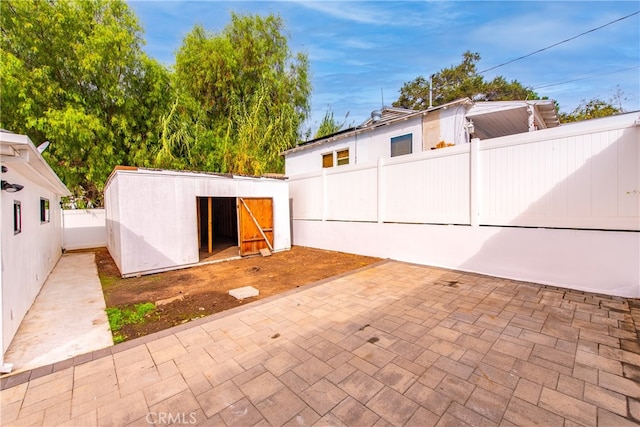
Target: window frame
(338, 157)
(17, 217)
(398, 140)
(340, 160)
(45, 211)
(327, 156)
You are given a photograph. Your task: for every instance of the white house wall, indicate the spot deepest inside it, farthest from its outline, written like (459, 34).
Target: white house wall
(152, 216)
(376, 144)
(365, 146)
(452, 125)
(27, 257)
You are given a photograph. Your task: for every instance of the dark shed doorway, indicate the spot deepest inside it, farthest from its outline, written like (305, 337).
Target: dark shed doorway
(217, 228)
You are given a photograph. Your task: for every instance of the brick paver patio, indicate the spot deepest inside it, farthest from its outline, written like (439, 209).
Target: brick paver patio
(394, 344)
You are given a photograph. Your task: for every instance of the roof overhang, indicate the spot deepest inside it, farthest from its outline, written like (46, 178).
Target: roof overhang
(368, 126)
(494, 119)
(18, 153)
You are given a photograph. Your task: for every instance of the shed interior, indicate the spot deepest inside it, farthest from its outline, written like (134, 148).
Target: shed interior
(217, 227)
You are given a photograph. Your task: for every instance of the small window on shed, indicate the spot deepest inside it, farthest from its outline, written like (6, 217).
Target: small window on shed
(44, 211)
(17, 217)
(327, 160)
(342, 157)
(401, 145)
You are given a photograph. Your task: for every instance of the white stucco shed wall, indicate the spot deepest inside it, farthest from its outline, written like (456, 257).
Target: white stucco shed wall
(152, 216)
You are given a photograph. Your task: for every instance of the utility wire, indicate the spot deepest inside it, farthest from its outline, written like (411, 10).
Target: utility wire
(584, 78)
(559, 43)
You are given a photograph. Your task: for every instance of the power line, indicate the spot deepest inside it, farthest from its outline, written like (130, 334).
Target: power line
(559, 43)
(584, 78)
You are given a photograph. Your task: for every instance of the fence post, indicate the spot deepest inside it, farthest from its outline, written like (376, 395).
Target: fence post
(324, 194)
(474, 185)
(380, 190)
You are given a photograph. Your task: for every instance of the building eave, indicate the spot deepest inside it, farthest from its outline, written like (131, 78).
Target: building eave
(20, 151)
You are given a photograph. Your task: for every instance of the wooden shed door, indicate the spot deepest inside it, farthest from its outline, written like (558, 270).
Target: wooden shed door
(255, 218)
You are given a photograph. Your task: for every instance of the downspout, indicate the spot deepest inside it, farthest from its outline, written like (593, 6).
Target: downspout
(62, 220)
(355, 149)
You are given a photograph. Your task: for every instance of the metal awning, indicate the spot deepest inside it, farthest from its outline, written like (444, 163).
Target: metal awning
(500, 118)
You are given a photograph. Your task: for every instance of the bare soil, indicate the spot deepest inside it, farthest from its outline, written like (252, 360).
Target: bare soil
(204, 290)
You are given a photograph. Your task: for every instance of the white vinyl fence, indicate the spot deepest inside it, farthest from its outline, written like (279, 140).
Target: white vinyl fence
(558, 206)
(84, 229)
(579, 177)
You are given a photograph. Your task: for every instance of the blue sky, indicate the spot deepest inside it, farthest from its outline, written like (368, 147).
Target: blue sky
(361, 52)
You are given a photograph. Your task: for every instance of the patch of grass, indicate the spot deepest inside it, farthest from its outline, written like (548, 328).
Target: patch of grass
(119, 317)
(106, 281)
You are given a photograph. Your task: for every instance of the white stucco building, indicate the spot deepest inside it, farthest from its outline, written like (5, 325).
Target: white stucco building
(393, 132)
(31, 241)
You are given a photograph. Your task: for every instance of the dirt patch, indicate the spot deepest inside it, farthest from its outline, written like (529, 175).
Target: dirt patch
(201, 291)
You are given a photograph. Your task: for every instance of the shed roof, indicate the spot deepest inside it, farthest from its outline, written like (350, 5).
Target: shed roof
(170, 172)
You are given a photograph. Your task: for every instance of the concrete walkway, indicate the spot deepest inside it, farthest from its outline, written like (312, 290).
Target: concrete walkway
(67, 319)
(394, 344)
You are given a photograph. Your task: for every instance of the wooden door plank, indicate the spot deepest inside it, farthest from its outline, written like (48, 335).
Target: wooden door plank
(255, 221)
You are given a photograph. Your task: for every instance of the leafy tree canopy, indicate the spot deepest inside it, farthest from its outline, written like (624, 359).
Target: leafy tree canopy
(329, 125)
(460, 81)
(74, 73)
(590, 110)
(244, 93)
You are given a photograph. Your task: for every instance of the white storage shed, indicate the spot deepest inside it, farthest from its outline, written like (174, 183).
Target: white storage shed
(159, 220)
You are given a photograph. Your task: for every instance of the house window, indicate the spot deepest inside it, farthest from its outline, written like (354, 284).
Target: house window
(17, 217)
(401, 145)
(342, 157)
(44, 210)
(327, 160)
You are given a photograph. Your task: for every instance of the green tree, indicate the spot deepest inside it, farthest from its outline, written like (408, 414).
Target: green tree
(590, 110)
(329, 125)
(251, 89)
(73, 73)
(457, 82)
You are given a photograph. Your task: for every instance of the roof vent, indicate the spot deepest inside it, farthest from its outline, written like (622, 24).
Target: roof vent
(376, 115)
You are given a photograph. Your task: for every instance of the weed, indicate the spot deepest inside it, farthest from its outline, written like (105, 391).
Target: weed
(125, 316)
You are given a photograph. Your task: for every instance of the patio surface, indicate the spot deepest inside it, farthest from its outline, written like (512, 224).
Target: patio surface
(392, 344)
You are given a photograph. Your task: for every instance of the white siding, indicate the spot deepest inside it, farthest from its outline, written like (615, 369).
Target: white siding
(365, 146)
(27, 257)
